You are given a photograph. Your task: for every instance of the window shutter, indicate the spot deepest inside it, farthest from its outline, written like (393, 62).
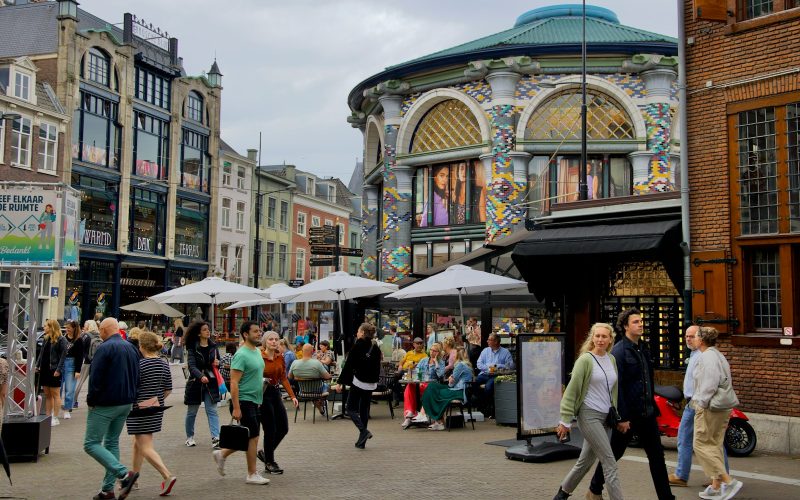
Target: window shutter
(711, 10)
(710, 289)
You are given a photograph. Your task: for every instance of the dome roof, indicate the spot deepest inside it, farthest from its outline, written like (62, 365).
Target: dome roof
(567, 10)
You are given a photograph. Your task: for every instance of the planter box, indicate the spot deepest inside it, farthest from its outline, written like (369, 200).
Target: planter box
(505, 402)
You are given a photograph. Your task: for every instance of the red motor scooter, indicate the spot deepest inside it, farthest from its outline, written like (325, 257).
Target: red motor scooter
(740, 438)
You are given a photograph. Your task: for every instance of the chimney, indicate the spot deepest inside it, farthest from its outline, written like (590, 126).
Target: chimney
(252, 155)
(127, 29)
(290, 172)
(173, 51)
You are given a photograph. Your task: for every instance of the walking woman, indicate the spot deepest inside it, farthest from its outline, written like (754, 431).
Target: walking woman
(712, 401)
(178, 341)
(155, 384)
(590, 394)
(90, 333)
(361, 371)
(437, 396)
(72, 367)
(273, 413)
(202, 386)
(50, 366)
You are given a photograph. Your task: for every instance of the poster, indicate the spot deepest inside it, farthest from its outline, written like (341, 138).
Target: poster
(326, 322)
(541, 379)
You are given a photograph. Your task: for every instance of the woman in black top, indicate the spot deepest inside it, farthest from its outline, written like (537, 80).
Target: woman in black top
(202, 386)
(361, 371)
(50, 366)
(72, 366)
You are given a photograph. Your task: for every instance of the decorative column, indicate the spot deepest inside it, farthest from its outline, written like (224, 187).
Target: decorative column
(656, 176)
(369, 232)
(505, 190)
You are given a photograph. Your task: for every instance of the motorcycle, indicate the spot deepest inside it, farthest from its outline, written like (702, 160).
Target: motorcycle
(740, 437)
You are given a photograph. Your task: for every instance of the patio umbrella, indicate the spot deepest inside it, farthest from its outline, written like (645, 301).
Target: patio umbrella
(457, 280)
(152, 307)
(277, 287)
(209, 291)
(336, 286)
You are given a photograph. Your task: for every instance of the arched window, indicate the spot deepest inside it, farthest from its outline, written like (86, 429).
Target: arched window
(560, 118)
(194, 107)
(449, 124)
(99, 67)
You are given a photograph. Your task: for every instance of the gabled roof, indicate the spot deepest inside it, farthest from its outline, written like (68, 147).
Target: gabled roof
(28, 29)
(46, 98)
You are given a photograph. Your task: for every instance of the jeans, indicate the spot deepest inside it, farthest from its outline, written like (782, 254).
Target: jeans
(68, 383)
(211, 413)
(358, 402)
(274, 421)
(101, 441)
(685, 448)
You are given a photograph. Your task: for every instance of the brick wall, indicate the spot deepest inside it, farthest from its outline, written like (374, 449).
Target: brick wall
(718, 63)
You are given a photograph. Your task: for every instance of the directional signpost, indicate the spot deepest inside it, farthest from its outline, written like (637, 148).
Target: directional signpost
(325, 241)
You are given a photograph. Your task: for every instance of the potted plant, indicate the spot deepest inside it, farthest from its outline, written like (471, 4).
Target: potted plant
(505, 399)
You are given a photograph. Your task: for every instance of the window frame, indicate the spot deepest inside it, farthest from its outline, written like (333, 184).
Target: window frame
(227, 170)
(316, 221)
(17, 144)
(310, 186)
(269, 267)
(50, 148)
(238, 261)
(105, 109)
(193, 140)
(223, 259)
(194, 107)
(2, 141)
(300, 264)
(22, 85)
(272, 208)
(241, 177)
(301, 227)
(162, 136)
(284, 216)
(283, 250)
(240, 215)
(225, 214)
(93, 69)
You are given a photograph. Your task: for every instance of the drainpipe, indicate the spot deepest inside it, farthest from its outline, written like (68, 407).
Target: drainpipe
(682, 111)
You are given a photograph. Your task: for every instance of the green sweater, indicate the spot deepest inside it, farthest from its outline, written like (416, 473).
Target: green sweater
(578, 385)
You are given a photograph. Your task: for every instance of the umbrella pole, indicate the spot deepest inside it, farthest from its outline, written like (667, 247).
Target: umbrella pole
(341, 318)
(461, 308)
(213, 314)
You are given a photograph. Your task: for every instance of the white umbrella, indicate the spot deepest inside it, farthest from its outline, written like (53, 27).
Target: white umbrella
(277, 287)
(336, 286)
(152, 307)
(457, 280)
(209, 291)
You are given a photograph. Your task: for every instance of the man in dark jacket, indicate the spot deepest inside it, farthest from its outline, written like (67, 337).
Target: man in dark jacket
(636, 405)
(112, 391)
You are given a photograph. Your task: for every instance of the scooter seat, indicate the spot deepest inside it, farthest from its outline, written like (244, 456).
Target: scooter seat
(670, 393)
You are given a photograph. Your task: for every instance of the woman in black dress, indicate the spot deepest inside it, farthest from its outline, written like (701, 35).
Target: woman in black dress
(201, 387)
(155, 384)
(361, 371)
(50, 366)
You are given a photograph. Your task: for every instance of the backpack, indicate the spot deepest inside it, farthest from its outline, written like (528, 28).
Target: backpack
(93, 342)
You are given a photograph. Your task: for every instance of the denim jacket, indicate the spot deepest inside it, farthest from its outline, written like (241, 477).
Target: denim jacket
(462, 374)
(433, 371)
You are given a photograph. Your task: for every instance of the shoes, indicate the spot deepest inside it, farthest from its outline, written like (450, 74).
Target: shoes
(729, 490)
(220, 461)
(126, 484)
(261, 457)
(561, 495)
(190, 442)
(215, 443)
(362, 439)
(103, 495)
(67, 415)
(710, 492)
(166, 486)
(256, 479)
(406, 423)
(273, 468)
(420, 418)
(54, 422)
(436, 427)
(75, 405)
(676, 481)
(321, 409)
(593, 496)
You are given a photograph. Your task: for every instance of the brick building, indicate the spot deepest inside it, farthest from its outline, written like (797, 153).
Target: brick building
(743, 105)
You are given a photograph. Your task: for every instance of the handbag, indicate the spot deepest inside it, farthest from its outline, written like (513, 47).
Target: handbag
(613, 417)
(220, 381)
(234, 437)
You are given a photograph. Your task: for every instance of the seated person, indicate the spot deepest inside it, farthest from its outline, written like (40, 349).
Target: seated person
(449, 355)
(409, 362)
(300, 341)
(310, 368)
(492, 358)
(437, 396)
(326, 356)
(430, 369)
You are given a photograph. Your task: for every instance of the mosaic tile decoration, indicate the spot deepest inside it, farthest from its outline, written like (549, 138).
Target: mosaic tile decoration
(631, 84)
(398, 262)
(369, 267)
(480, 90)
(409, 101)
(658, 120)
(392, 218)
(504, 193)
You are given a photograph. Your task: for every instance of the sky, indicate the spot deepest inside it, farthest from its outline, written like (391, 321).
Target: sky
(289, 66)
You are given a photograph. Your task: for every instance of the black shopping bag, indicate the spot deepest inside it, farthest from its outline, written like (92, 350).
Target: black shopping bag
(234, 437)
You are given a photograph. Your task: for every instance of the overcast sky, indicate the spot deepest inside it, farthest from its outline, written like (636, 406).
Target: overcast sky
(289, 66)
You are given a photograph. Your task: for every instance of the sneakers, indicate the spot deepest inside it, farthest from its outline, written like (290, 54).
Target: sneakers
(676, 481)
(215, 443)
(406, 423)
(104, 495)
(421, 417)
(273, 468)
(166, 486)
(436, 427)
(126, 484)
(261, 457)
(729, 490)
(219, 458)
(54, 422)
(190, 442)
(710, 492)
(67, 415)
(256, 479)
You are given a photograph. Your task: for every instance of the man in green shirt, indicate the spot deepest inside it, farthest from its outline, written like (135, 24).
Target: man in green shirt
(247, 386)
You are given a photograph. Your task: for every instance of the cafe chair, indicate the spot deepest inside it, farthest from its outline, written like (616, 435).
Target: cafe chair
(311, 391)
(385, 389)
(460, 405)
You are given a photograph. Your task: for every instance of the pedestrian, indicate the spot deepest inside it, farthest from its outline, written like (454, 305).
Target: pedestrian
(713, 401)
(361, 371)
(50, 366)
(112, 390)
(247, 392)
(91, 340)
(590, 396)
(637, 407)
(201, 387)
(155, 384)
(686, 428)
(72, 367)
(273, 412)
(177, 338)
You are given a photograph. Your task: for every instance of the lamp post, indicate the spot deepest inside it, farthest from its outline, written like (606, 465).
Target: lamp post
(583, 188)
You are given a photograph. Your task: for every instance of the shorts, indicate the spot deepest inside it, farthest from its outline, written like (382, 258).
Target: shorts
(251, 417)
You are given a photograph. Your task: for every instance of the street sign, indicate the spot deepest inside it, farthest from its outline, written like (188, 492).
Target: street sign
(296, 283)
(323, 240)
(322, 250)
(350, 252)
(322, 261)
(322, 231)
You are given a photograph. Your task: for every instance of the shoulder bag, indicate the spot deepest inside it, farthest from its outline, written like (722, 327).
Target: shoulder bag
(613, 418)
(234, 437)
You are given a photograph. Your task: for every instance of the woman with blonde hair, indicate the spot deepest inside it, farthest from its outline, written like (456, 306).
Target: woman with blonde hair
(449, 355)
(438, 396)
(50, 366)
(428, 369)
(591, 395)
(155, 384)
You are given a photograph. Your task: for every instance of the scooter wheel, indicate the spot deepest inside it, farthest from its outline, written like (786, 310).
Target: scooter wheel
(740, 438)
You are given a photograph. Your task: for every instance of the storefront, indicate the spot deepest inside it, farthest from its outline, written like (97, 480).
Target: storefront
(141, 278)
(93, 289)
(181, 274)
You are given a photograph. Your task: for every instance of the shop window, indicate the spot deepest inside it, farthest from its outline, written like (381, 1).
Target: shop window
(271, 208)
(98, 211)
(450, 194)
(150, 146)
(48, 147)
(449, 124)
(195, 161)
(559, 118)
(21, 142)
(282, 250)
(270, 258)
(98, 67)
(284, 215)
(226, 173)
(97, 137)
(191, 229)
(226, 213)
(420, 256)
(194, 107)
(148, 217)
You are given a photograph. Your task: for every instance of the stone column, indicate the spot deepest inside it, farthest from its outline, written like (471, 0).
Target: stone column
(657, 177)
(369, 232)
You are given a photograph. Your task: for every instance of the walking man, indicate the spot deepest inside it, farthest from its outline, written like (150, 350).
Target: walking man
(112, 391)
(636, 406)
(247, 372)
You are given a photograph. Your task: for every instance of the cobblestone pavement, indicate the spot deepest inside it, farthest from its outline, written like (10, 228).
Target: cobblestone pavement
(321, 462)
